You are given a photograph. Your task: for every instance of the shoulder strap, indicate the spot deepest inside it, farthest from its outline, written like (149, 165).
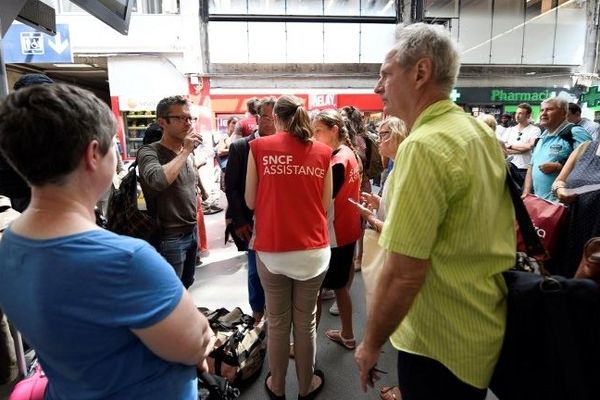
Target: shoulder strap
(533, 245)
(567, 135)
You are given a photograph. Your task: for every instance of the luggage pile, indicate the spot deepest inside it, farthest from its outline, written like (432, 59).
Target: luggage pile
(240, 346)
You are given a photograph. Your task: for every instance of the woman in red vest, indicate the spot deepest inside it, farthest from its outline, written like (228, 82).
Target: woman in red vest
(345, 221)
(288, 184)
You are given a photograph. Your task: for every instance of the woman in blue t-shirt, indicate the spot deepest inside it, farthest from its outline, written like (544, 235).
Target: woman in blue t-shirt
(107, 316)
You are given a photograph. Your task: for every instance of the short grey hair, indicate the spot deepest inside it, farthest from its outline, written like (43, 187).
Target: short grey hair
(489, 120)
(420, 40)
(559, 101)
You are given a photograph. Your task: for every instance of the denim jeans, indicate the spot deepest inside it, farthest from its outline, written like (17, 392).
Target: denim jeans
(180, 251)
(256, 294)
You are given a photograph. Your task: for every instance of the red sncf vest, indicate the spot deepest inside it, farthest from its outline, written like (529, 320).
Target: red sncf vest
(289, 212)
(346, 218)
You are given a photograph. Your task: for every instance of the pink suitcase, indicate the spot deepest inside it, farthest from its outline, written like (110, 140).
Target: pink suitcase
(33, 384)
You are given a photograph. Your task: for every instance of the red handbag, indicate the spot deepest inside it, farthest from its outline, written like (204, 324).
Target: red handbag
(549, 220)
(32, 387)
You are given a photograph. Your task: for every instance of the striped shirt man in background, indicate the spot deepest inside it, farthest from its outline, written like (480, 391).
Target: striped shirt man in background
(449, 232)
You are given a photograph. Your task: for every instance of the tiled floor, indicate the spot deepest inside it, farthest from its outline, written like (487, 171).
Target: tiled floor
(221, 282)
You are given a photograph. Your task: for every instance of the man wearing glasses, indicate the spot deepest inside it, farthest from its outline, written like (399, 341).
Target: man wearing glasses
(168, 178)
(518, 142)
(238, 216)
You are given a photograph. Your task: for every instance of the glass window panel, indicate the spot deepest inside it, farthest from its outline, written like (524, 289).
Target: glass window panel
(66, 6)
(268, 7)
(342, 7)
(538, 44)
(341, 43)
(475, 31)
(441, 8)
(170, 6)
(304, 7)
(454, 26)
(379, 8)
(228, 7)
(375, 41)
(51, 3)
(570, 34)
(507, 34)
(266, 42)
(304, 42)
(157, 6)
(228, 42)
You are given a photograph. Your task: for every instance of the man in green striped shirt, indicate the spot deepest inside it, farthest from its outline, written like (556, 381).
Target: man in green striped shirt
(449, 232)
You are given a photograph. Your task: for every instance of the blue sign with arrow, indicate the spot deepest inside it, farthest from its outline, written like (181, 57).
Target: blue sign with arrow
(24, 44)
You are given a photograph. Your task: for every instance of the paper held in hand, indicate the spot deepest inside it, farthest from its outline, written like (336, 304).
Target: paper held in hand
(582, 189)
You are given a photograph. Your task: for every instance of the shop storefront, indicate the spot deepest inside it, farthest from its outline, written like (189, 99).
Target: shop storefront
(134, 101)
(225, 105)
(498, 100)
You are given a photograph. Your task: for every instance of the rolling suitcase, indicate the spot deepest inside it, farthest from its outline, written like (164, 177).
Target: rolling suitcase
(32, 385)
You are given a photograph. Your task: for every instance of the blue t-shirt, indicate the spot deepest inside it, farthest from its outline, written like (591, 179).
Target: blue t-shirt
(76, 298)
(553, 148)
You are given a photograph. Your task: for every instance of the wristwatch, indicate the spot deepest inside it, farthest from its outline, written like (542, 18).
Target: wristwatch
(555, 188)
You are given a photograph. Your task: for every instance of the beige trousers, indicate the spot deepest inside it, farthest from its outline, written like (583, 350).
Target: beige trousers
(290, 301)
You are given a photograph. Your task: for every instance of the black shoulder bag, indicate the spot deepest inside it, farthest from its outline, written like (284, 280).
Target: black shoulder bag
(551, 348)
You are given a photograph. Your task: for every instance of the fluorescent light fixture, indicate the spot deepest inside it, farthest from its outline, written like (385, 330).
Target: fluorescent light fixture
(73, 65)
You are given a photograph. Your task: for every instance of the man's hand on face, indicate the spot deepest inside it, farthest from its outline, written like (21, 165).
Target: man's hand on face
(191, 141)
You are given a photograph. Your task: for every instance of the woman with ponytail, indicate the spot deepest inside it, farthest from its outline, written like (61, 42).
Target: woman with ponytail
(344, 218)
(288, 184)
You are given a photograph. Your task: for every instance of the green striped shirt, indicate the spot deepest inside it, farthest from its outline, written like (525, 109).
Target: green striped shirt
(449, 204)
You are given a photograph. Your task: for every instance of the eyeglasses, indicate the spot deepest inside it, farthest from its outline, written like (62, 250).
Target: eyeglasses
(181, 118)
(384, 134)
(520, 134)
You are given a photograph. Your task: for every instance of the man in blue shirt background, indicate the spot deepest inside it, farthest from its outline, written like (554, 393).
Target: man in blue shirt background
(550, 153)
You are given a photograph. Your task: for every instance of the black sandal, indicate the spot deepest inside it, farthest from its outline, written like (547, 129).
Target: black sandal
(312, 395)
(272, 396)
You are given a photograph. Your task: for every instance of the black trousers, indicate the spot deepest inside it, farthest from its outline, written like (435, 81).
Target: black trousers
(517, 174)
(422, 378)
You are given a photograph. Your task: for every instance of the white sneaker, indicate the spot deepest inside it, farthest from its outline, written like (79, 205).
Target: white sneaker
(333, 310)
(327, 294)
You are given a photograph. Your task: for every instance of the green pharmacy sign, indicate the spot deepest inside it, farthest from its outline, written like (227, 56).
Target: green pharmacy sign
(591, 97)
(510, 96)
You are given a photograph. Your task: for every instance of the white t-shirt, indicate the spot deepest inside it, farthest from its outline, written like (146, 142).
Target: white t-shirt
(300, 265)
(500, 131)
(515, 135)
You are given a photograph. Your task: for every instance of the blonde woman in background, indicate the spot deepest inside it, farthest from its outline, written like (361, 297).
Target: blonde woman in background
(392, 133)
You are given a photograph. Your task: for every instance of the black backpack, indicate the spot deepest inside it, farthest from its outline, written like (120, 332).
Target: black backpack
(124, 217)
(567, 135)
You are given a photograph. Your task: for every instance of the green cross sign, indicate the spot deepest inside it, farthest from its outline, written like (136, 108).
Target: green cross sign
(454, 95)
(591, 97)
